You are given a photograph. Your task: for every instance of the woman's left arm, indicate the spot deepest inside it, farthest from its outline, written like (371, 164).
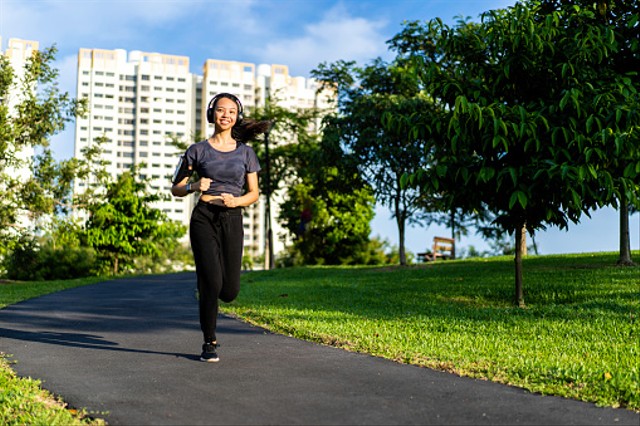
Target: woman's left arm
(249, 197)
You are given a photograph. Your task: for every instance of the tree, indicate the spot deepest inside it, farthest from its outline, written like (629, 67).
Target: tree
(381, 154)
(320, 190)
(615, 111)
(123, 226)
(32, 109)
(328, 208)
(517, 134)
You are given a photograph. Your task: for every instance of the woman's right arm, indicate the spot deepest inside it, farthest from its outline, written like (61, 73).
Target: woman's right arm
(180, 189)
(184, 187)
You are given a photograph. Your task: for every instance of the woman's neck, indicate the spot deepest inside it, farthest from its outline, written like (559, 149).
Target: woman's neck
(222, 138)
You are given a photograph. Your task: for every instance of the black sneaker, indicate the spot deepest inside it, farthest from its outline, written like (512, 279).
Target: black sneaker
(209, 353)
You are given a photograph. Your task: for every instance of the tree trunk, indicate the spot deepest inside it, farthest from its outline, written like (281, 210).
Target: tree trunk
(115, 265)
(520, 240)
(453, 233)
(625, 240)
(523, 242)
(401, 232)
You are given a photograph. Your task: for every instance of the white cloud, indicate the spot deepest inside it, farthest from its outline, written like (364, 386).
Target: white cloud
(91, 21)
(337, 36)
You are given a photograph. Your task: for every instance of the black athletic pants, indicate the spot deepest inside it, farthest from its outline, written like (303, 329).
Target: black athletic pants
(217, 239)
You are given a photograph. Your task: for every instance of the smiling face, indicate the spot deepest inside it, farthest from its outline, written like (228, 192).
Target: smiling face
(225, 113)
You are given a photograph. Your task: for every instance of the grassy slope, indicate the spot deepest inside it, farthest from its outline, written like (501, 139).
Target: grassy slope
(578, 336)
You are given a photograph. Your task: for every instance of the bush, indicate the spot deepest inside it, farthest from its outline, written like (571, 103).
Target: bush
(22, 259)
(30, 262)
(67, 262)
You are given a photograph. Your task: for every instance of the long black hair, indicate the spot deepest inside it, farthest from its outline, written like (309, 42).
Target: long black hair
(248, 129)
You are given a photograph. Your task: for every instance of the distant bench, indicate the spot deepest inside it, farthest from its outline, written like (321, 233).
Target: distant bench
(443, 248)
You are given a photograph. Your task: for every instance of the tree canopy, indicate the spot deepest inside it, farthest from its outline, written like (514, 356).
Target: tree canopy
(533, 117)
(32, 110)
(381, 155)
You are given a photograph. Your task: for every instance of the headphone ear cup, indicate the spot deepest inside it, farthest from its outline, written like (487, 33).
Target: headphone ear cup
(210, 115)
(239, 118)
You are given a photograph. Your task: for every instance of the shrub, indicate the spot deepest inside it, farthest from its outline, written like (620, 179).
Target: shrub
(30, 262)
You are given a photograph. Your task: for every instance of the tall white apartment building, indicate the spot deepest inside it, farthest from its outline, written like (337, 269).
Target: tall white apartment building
(140, 101)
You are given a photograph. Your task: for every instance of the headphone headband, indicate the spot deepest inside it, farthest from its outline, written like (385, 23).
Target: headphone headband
(216, 98)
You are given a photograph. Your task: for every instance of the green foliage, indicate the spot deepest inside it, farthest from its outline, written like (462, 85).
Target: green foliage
(381, 155)
(24, 402)
(535, 118)
(327, 207)
(331, 225)
(172, 254)
(38, 111)
(21, 259)
(32, 259)
(578, 337)
(124, 226)
(290, 135)
(47, 263)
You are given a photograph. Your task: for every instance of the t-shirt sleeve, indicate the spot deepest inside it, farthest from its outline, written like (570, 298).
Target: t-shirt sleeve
(184, 168)
(253, 165)
(191, 156)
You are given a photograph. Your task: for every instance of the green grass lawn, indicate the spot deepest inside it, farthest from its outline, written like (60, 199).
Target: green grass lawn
(577, 337)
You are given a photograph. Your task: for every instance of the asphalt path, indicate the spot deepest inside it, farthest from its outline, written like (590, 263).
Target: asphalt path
(127, 351)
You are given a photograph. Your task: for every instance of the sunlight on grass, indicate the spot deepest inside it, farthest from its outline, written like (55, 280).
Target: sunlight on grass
(577, 337)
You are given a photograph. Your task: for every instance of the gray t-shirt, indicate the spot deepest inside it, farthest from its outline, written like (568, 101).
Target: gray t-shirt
(227, 170)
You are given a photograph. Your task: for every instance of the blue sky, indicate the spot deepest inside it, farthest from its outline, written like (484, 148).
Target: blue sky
(297, 33)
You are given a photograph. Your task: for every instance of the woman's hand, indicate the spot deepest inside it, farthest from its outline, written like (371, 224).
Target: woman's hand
(229, 200)
(201, 185)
